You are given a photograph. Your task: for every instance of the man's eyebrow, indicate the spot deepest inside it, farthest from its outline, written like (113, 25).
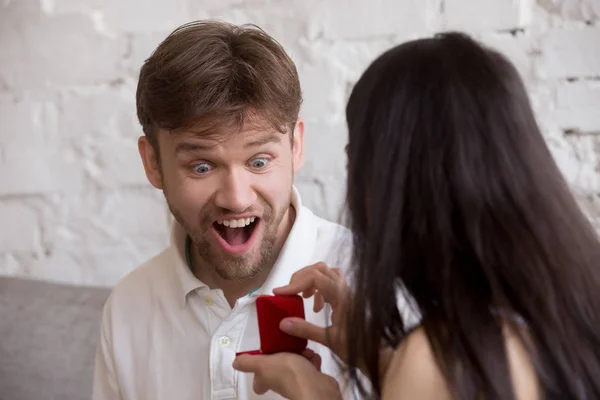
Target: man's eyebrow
(274, 138)
(187, 147)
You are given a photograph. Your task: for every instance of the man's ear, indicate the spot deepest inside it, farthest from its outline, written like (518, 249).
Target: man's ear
(298, 145)
(151, 163)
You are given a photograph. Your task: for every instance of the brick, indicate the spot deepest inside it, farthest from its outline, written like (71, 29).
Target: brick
(352, 19)
(573, 9)
(322, 179)
(36, 169)
(578, 106)
(99, 112)
(577, 158)
(542, 95)
(141, 46)
(50, 42)
(518, 49)
(26, 118)
(570, 53)
(467, 15)
(590, 204)
(115, 162)
(105, 218)
(107, 232)
(318, 139)
(284, 23)
(117, 16)
(200, 8)
(325, 203)
(314, 196)
(349, 59)
(321, 81)
(40, 51)
(10, 265)
(103, 266)
(137, 212)
(59, 267)
(108, 265)
(20, 230)
(322, 90)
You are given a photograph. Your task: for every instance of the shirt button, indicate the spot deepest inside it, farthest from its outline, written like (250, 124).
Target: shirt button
(209, 301)
(224, 341)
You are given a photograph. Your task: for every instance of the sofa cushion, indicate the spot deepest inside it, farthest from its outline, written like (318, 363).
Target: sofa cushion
(48, 338)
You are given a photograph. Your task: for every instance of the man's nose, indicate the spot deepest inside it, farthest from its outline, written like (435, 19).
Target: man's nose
(236, 193)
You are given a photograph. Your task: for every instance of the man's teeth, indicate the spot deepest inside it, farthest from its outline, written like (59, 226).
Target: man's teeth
(237, 223)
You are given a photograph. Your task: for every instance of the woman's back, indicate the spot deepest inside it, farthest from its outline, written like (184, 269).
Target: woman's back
(413, 372)
(454, 195)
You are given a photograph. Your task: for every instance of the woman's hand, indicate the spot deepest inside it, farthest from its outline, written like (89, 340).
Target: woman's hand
(290, 375)
(328, 286)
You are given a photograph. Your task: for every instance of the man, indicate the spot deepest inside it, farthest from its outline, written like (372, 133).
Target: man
(219, 109)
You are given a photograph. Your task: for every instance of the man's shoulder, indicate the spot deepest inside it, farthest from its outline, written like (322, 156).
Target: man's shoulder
(327, 227)
(136, 290)
(333, 241)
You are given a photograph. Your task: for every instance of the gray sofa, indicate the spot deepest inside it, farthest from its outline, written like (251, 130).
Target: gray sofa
(48, 338)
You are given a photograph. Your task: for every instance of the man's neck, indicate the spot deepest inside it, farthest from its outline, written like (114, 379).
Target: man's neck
(233, 290)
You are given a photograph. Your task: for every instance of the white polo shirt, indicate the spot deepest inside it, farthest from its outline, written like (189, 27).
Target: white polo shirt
(166, 335)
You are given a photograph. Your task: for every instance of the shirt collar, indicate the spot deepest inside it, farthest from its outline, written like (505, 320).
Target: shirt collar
(296, 251)
(294, 255)
(186, 280)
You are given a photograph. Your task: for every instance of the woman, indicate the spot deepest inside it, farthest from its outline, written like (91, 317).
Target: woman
(455, 199)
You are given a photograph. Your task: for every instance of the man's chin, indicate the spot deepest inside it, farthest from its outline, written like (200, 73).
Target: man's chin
(235, 267)
(238, 267)
(221, 257)
(236, 274)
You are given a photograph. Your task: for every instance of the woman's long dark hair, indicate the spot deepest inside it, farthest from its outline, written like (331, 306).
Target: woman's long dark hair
(454, 196)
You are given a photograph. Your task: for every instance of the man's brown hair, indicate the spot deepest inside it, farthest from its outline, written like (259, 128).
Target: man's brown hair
(208, 75)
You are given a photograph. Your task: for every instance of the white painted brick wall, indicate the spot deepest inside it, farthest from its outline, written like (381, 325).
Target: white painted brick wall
(23, 235)
(74, 203)
(357, 19)
(489, 14)
(572, 52)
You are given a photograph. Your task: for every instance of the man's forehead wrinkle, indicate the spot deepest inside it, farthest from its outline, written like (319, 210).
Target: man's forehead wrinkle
(249, 133)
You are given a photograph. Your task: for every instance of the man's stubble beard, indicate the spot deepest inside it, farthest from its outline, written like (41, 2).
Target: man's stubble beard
(241, 268)
(226, 266)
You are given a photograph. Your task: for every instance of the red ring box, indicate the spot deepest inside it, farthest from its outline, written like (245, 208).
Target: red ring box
(270, 311)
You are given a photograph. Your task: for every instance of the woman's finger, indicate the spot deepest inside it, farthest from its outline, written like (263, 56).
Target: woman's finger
(315, 360)
(308, 353)
(303, 329)
(259, 386)
(311, 269)
(302, 283)
(316, 280)
(301, 276)
(247, 363)
(319, 302)
(337, 273)
(288, 375)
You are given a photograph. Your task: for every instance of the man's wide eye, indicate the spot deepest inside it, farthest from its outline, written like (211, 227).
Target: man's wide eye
(259, 163)
(202, 168)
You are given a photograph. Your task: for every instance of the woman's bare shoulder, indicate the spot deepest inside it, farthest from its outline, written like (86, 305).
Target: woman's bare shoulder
(521, 367)
(413, 372)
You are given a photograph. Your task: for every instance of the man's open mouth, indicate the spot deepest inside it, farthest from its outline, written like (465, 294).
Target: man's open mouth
(236, 232)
